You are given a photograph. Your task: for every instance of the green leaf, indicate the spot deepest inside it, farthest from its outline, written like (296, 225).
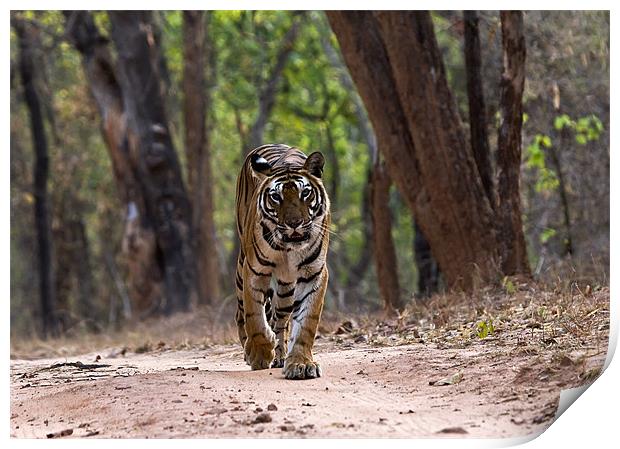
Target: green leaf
(597, 123)
(593, 134)
(485, 328)
(548, 181)
(581, 139)
(547, 234)
(509, 286)
(583, 124)
(561, 121)
(546, 141)
(536, 158)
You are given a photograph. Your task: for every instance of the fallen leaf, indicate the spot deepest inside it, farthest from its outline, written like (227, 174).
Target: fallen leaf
(452, 380)
(61, 433)
(214, 411)
(453, 430)
(262, 418)
(345, 327)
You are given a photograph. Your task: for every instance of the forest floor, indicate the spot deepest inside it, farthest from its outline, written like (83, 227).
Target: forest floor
(453, 367)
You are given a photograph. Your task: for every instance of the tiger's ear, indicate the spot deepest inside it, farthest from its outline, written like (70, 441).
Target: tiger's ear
(314, 164)
(260, 165)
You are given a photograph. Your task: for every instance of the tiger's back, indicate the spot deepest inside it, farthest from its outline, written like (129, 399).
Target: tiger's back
(282, 221)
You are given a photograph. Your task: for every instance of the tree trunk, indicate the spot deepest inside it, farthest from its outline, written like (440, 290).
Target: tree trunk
(139, 243)
(87, 310)
(395, 62)
(74, 276)
(514, 255)
(383, 244)
(358, 269)
(479, 137)
(166, 204)
(200, 175)
(428, 272)
(29, 44)
(562, 190)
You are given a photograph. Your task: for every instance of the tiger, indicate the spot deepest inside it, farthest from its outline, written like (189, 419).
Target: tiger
(283, 218)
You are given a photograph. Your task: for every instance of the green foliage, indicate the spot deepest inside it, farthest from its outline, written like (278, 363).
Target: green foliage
(547, 234)
(313, 111)
(509, 286)
(485, 328)
(535, 153)
(586, 128)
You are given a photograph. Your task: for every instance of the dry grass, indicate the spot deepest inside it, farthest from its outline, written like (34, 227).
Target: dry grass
(179, 331)
(562, 327)
(520, 317)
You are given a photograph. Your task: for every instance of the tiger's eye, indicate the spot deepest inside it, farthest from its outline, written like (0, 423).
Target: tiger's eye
(276, 197)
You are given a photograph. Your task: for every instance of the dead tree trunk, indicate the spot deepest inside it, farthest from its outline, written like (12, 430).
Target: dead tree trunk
(28, 46)
(479, 137)
(514, 256)
(197, 147)
(139, 244)
(395, 61)
(383, 244)
(166, 204)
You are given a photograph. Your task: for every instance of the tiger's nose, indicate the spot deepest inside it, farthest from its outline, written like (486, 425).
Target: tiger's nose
(294, 222)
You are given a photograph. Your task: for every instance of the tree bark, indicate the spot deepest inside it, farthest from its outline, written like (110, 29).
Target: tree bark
(479, 137)
(428, 272)
(29, 44)
(139, 243)
(514, 255)
(383, 244)
(72, 259)
(358, 269)
(197, 146)
(562, 190)
(395, 62)
(153, 155)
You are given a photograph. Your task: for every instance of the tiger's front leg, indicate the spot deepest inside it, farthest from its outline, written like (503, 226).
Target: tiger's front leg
(283, 306)
(308, 305)
(260, 343)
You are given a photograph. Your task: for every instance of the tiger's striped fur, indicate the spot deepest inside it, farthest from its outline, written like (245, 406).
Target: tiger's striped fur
(283, 217)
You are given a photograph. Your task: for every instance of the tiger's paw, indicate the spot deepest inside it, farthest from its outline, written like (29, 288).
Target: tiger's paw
(301, 369)
(278, 362)
(259, 350)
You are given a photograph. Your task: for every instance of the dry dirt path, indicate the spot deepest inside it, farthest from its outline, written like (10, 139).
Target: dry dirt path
(365, 392)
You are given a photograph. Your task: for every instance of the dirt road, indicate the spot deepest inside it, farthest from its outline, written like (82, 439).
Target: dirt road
(488, 366)
(365, 392)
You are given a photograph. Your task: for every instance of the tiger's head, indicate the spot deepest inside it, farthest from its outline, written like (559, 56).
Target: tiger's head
(293, 203)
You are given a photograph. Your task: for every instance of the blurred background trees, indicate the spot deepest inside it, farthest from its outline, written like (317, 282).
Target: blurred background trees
(147, 117)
